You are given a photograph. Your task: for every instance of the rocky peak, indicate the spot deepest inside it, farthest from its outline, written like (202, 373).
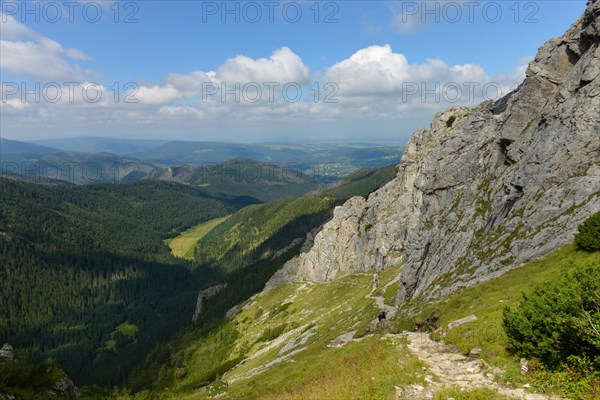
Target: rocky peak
(482, 190)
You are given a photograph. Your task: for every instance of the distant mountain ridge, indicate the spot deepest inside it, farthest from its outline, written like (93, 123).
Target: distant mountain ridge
(85, 144)
(24, 148)
(101, 160)
(339, 159)
(261, 180)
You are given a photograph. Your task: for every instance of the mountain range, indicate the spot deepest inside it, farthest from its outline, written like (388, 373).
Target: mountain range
(468, 270)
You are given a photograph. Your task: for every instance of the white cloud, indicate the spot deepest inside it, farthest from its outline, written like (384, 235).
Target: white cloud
(181, 111)
(157, 94)
(24, 52)
(377, 81)
(372, 87)
(77, 55)
(191, 84)
(13, 106)
(11, 29)
(283, 66)
(377, 70)
(373, 70)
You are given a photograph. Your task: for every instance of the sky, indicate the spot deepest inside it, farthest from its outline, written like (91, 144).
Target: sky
(248, 71)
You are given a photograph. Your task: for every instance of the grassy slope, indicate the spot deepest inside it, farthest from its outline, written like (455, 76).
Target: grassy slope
(306, 318)
(293, 329)
(121, 208)
(361, 182)
(126, 329)
(309, 317)
(259, 180)
(183, 245)
(487, 300)
(244, 245)
(256, 232)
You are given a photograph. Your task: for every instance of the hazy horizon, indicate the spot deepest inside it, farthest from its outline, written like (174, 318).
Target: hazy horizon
(298, 141)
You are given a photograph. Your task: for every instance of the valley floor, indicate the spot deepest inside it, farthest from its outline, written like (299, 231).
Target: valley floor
(183, 245)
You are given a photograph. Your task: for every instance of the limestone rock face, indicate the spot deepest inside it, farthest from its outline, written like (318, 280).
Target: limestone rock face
(203, 295)
(7, 352)
(65, 388)
(482, 190)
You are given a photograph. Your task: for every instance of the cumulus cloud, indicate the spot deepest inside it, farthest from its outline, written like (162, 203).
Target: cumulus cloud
(374, 83)
(373, 70)
(11, 29)
(191, 84)
(377, 81)
(283, 66)
(181, 111)
(377, 70)
(13, 106)
(24, 52)
(157, 94)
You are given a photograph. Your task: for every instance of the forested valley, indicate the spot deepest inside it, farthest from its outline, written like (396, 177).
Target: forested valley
(89, 281)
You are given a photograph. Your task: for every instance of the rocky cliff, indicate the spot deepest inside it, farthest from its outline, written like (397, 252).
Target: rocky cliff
(482, 190)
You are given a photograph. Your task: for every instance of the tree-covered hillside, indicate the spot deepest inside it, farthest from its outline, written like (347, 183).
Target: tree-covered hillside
(88, 279)
(35, 161)
(261, 180)
(78, 262)
(323, 340)
(246, 249)
(257, 232)
(361, 182)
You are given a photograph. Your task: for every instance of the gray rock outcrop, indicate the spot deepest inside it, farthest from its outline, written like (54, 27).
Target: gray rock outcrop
(7, 353)
(462, 321)
(206, 294)
(64, 387)
(482, 190)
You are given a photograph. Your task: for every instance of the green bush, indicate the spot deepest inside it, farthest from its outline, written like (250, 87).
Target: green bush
(272, 333)
(588, 237)
(559, 322)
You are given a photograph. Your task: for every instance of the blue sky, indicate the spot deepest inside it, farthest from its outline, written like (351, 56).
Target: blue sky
(172, 52)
